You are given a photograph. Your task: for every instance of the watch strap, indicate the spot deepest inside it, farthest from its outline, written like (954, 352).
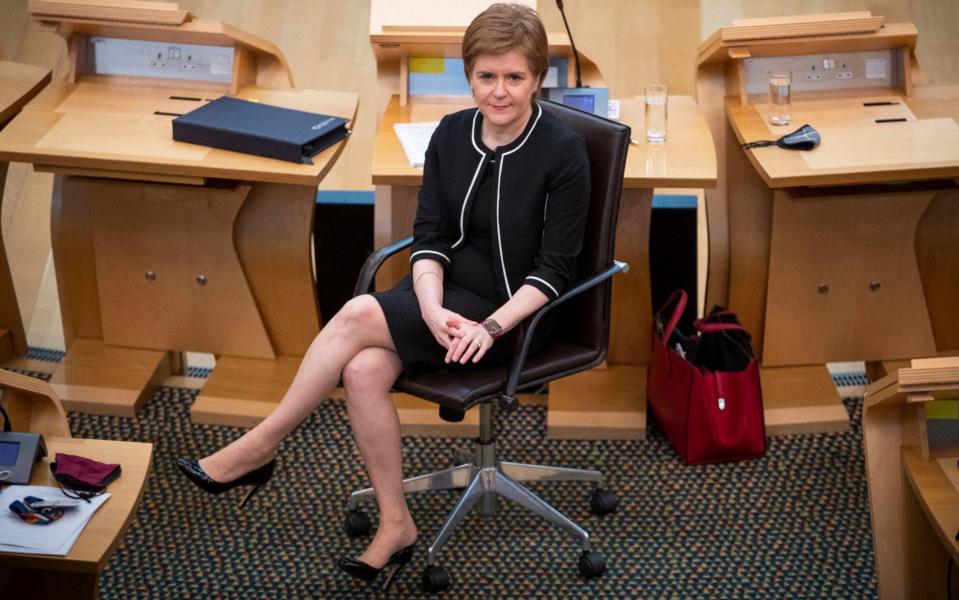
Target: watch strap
(493, 328)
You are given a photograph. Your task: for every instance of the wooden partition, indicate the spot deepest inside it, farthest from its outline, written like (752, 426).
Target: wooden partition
(160, 246)
(18, 85)
(845, 252)
(913, 481)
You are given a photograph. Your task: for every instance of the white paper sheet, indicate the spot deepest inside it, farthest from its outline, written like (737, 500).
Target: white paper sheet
(54, 538)
(415, 137)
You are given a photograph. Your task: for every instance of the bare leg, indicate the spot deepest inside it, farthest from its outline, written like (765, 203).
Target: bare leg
(359, 324)
(376, 427)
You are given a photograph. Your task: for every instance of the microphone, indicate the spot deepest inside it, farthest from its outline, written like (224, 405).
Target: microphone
(559, 5)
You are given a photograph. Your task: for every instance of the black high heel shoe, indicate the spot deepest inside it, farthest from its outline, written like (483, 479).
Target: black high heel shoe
(257, 478)
(361, 570)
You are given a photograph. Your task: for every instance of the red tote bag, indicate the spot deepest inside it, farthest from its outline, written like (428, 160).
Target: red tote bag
(708, 414)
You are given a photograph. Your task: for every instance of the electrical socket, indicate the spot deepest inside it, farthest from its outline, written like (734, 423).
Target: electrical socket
(844, 75)
(813, 76)
(189, 66)
(157, 64)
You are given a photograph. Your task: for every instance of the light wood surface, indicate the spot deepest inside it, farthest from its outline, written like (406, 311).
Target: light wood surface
(32, 405)
(604, 403)
(149, 267)
(665, 33)
(98, 378)
(801, 25)
(874, 234)
(19, 83)
(179, 238)
(133, 11)
(854, 149)
(78, 570)
(883, 261)
(913, 505)
(801, 399)
(112, 126)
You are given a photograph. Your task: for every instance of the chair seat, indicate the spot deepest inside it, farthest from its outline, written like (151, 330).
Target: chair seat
(464, 389)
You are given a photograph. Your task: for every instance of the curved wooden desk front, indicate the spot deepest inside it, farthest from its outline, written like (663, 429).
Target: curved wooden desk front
(609, 402)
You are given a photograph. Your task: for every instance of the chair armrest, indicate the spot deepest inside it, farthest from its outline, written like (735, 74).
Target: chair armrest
(507, 399)
(364, 283)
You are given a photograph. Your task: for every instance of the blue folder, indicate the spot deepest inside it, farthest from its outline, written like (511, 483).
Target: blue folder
(262, 129)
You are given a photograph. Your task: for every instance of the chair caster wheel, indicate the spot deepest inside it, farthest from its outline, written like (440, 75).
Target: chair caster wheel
(603, 502)
(357, 523)
(435, 579)
(591, 564)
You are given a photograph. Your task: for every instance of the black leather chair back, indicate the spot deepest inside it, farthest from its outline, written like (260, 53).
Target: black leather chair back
(585, 319)
(580, 332)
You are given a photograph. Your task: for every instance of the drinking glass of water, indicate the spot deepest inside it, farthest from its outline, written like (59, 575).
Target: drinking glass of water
(656, 113)
(779, 82)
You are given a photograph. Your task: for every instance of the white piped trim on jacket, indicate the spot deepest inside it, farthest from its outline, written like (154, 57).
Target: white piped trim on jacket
(544, 282)
(499, 177)
(466, 198)
(447, 258)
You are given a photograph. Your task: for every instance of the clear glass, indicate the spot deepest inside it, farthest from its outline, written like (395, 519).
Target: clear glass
(779, 84)
(656, 99)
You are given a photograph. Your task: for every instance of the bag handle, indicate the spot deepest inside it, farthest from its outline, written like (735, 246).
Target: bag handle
(704, 327)
(679, 297)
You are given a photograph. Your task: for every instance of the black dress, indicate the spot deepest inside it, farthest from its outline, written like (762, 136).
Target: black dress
(469, 289)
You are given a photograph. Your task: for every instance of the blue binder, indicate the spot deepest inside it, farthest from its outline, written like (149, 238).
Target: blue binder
(262, 129)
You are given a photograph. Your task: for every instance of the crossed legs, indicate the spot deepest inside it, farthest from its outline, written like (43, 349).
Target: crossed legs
(357, 344)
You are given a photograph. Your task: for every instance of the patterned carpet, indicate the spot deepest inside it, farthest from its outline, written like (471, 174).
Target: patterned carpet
(793, 524)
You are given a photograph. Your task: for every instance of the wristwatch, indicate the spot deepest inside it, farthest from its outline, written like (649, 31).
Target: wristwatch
(493, 328)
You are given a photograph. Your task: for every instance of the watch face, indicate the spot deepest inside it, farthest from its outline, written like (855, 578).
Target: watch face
(492, 327)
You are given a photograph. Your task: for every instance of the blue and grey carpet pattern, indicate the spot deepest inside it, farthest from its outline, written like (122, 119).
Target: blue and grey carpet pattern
(794, 524)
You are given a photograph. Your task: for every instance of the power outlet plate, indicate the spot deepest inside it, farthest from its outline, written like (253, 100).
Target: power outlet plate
(142, 58)
(838, 70)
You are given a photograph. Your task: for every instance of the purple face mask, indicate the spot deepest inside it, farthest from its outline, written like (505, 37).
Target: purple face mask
(83, 476)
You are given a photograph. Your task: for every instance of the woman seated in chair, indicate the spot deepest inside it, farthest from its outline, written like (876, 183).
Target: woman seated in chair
(497, 232)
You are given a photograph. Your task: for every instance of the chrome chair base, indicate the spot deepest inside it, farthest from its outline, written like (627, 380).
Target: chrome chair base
(484, 480)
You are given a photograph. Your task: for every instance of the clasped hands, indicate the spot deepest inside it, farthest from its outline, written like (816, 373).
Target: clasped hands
(464, 339)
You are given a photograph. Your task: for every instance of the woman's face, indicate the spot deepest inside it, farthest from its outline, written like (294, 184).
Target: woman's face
(503, 88)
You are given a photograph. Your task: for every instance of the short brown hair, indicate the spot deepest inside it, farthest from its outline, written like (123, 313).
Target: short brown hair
(504, 27)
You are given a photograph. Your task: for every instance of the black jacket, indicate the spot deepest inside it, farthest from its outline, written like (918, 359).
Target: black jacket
(540, 202)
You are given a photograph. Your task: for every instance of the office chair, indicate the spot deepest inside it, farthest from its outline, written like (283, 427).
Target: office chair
(578, 342)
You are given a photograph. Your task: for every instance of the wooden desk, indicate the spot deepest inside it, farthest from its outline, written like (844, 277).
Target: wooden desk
(914, 505)
(162, 247)
(846, 252)
(611, 401)
(18, 85)
(76, 575)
